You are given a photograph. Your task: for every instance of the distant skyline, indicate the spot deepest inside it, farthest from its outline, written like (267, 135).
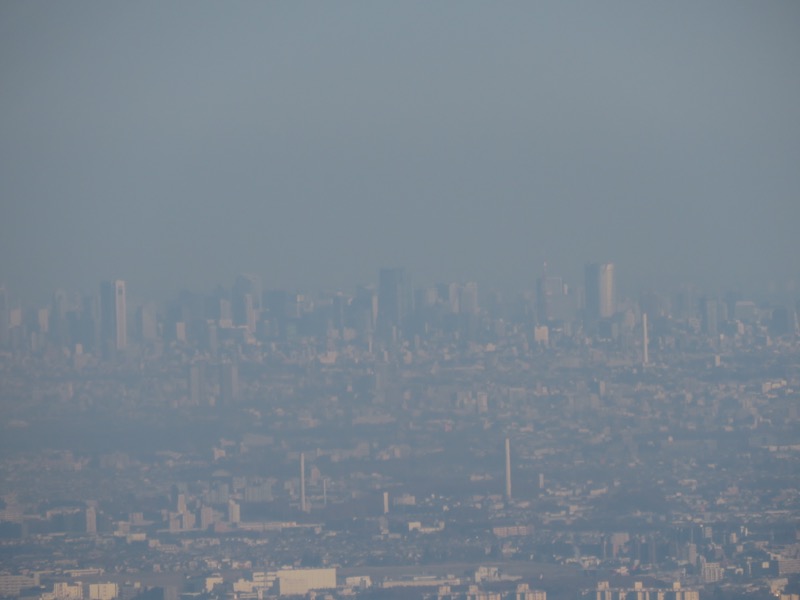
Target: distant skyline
(176, 145)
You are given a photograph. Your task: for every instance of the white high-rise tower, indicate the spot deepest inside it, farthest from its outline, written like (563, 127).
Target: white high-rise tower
(600, 291)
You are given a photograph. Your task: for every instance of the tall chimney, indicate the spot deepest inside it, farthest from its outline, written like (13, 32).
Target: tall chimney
(508, 469)
(302, 482)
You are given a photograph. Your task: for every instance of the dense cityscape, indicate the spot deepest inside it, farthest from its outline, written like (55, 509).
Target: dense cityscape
(401, 441)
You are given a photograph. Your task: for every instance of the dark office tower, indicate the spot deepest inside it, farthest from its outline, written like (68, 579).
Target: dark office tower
(709, 319)
(448, 296)
(246, 300)
(113, 324)
(600, 291)
(394, 302)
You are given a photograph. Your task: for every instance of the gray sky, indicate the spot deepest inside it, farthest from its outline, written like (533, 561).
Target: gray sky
(174, 144)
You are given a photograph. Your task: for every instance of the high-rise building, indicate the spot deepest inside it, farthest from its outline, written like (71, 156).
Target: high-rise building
(600, 291)
(449, 296)
(114, 325)
(553, 302)
(394, 302)
(91, 520)
(246, 300)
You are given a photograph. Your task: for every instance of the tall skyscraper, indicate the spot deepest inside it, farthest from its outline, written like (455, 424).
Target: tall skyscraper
(246, 300)
(394, 301)
(553, 303)
(91, 520)
(600, 291)
(114, 325)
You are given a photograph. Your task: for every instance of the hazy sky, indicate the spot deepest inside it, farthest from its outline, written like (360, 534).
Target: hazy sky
(174, 144)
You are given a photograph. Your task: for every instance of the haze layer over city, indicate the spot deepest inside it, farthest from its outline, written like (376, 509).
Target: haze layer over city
(415, 300)
(174, 145)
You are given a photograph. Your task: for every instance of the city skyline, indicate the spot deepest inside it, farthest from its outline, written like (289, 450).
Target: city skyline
(574, 275)
(540, 281)
(386, 314)
(356, 300)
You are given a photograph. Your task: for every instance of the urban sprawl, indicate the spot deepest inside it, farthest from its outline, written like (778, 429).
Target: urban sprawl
(401, 442)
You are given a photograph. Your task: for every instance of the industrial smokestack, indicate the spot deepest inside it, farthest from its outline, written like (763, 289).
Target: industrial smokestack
(302, 482)
(508, 469)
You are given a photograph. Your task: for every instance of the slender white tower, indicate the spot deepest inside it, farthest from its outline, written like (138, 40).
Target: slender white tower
(508, 469)
(645, 341)
(302, 482)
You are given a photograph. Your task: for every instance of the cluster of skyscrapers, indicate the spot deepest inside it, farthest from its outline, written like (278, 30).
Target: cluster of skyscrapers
(392, 312)
(100, 324)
